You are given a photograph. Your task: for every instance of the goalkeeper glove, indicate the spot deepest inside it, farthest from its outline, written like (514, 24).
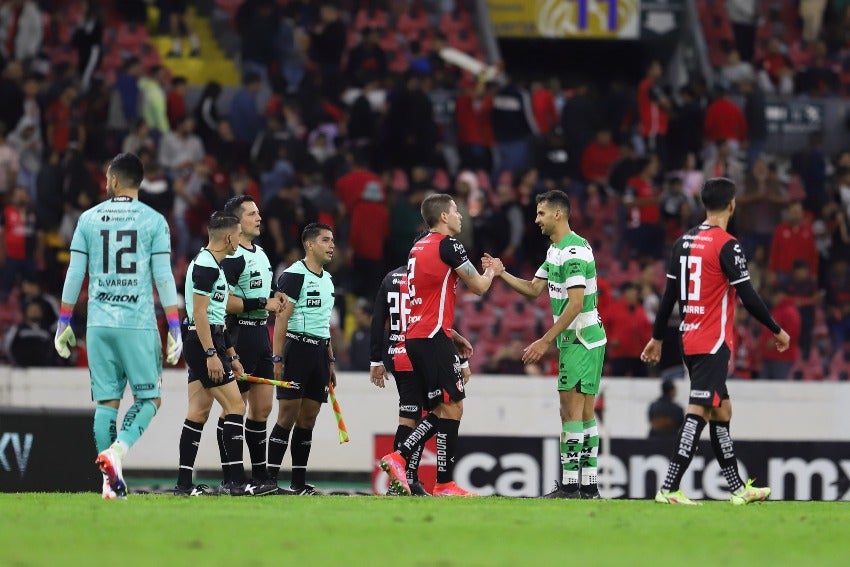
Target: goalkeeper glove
(64, 335)
(174, 343)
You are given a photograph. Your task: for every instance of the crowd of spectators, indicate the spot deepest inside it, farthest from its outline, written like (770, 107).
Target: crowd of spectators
(330, 129)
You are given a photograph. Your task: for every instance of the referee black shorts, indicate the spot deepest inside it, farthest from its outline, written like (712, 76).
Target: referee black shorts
(254, 349)
(305, 361)
(436, 365)
(196, 357)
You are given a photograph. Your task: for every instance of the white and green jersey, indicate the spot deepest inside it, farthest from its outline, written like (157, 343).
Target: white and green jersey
(250, 276)
(206, 277)
(570, 263)
(119, 238)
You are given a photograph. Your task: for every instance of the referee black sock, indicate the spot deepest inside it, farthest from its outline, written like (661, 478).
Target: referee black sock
(255, 438)
(222, 454)
(278, 442)
(724, 452)
(234, 434)
(420, 435)
(446, 446)
(685, 449)
(302, 440)
(190, 438)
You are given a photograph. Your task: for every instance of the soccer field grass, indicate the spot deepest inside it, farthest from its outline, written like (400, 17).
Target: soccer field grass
(78, 529)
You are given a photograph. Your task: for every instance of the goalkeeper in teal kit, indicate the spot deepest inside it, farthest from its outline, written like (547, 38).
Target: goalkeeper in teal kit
(123, 245)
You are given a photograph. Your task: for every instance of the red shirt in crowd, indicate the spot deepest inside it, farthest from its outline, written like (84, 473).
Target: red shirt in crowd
(351, 186)
(472, 117)
(653, 118)
(792, 243)
(787, 316)
(58, 118)
(627, 328)
(725, 121)
(543, 107)
(175, 107)
(18, 231)
(597, 160)
(644, 214)
(370, 228)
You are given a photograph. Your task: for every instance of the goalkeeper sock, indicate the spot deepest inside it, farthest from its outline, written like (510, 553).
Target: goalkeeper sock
(572, 440)
(136, 420)
(686, 448)
(724, 452)
(222, 452)
(255, 438)
(446, 447)
(420, 435)
(302, 440)
(105, 428)
(190, 438)
(589, 453)
(278, 442)
(234, 434)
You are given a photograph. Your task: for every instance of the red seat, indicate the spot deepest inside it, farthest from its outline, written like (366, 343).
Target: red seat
(370, 18)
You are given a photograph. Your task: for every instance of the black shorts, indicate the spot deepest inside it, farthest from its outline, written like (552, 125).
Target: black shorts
(436, 365)
(196, 358)
(409, 395)
(308, 364)
(708, 373)
(254, 349)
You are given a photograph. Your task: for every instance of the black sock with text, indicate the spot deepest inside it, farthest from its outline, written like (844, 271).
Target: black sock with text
(686, 447)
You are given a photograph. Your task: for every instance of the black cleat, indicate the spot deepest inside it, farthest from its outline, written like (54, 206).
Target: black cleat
(590, 492)
(305, 490)
(194, 490)
(261, 488)
(561, 491)
(234, 489)
(416, 489)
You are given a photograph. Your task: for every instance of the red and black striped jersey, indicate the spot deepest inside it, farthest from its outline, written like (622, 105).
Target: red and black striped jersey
(707, 262)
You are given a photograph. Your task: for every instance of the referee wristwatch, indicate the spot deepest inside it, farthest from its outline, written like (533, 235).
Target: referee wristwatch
(210, 352)
(277, 358)
(234, 358)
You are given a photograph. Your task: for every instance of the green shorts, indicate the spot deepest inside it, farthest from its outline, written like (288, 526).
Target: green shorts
(117, 356)
(580, 366)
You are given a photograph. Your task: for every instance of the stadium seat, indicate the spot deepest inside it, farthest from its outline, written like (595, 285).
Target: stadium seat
(452, 22)
(412, 21)
(370, 18)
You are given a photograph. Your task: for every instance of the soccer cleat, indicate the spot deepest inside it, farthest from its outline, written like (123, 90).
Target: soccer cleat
(416, 489)
(678, 497)
(561, 491)
(590, 492)
(110, 466)
(450, 489)
(261, 488)
(749, 493)
(396, 467)
(395, 490)
(108, 494)
(234, 489)
(305, 490)
(195, 490)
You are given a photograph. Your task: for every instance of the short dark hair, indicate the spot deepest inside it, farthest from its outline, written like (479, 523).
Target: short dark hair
(433, 206)
(313, 230)
(221, 221)
(717, 193)
(233, 205)
(129, 170)
(556, 198)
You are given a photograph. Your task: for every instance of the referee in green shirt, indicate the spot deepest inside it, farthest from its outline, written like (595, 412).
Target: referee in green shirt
(303, 353)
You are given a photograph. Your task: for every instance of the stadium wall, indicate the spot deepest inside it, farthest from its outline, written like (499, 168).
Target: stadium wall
(497, 406)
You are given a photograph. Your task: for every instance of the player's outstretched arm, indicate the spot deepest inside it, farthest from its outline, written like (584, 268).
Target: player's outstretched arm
(475, 282)
(756, 307)
(652, 351)
(530, 289)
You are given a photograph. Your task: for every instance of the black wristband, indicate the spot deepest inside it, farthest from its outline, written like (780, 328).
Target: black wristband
(252, 304)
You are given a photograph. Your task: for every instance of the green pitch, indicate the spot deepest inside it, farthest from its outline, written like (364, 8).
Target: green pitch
(160, 531)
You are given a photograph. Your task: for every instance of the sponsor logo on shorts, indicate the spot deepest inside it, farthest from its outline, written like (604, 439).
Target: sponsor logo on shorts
(141, 387)
(435, 394)
(700, 394)
(459, 385)
(411, 408)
